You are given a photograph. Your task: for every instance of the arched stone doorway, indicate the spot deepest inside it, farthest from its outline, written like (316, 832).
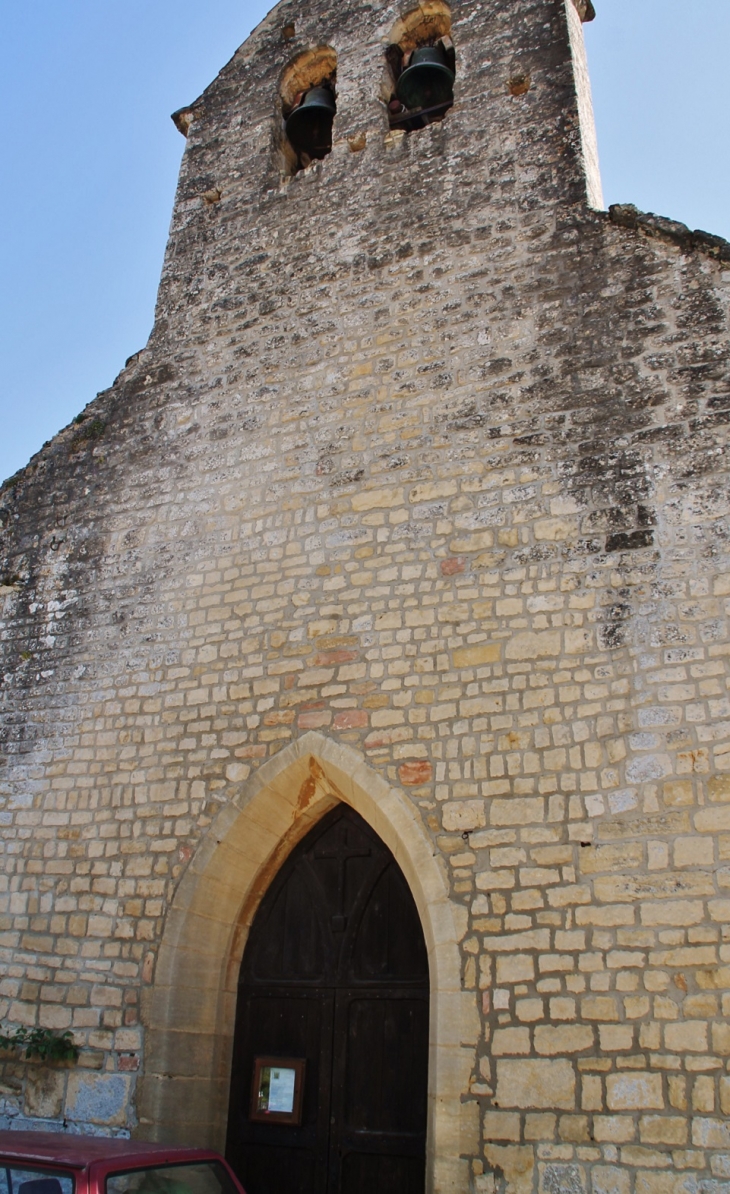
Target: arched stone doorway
(330, 1057)
(189, 1008)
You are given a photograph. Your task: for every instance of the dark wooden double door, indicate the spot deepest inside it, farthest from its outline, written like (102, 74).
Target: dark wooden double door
(336, 973)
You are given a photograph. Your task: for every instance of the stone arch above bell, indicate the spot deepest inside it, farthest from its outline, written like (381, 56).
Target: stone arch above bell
(431, 19)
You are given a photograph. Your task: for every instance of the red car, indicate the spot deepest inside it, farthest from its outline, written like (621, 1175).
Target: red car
(50, 1163)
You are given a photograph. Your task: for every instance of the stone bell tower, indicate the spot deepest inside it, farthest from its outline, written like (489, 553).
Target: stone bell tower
(415, 502)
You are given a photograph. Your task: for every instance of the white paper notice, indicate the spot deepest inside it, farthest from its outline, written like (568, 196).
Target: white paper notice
(281, 1090)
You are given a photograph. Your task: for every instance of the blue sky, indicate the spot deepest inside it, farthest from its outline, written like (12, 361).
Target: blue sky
(90, 159)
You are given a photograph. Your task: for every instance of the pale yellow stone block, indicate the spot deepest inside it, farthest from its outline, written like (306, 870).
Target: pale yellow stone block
(615, 1037)
(648, 1182)
(678, 1092)
(555, 529)
(517, 969)
(634, 1092)
(678, 792)
(718, 788)
(515, 1162)
(703, 1094)
(610, 1179)
(615, 889)
(432, 491)
(578, 641)
(463, 815)
(502, 880)
(517, 811)
(510, 1041)
(514, 942)
(469, 543)
(686, 1036)
(719, 910)
(694, 851)
(613, 1129)
(594, 859)
(592, 1092)
(477, 655)
(663, 1129)
(574, 1128)
(567, 1038)
(599, 1007)
(713, 820)
(562, 1008)
(710, 1133)
(375, 499)
(672, 912)
(45, 1090)
(536, 1083)
(529, 1010)
(534, 645)
(701, 1007)
(502, 1125)
(540, 1126)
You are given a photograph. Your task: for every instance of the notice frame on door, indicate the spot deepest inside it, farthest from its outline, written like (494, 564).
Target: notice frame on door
(277, 1090)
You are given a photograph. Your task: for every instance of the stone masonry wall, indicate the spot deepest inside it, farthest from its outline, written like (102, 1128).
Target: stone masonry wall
(425, 454)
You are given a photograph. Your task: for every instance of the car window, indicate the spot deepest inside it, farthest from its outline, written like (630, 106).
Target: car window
(17, 1180)
(206, 1177)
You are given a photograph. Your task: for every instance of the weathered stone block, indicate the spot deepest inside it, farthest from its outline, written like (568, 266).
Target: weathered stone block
(536, 1084)
(663, 1129)
(502, 1125)
(573, 1038)
(98, 1099)
(45, 1090)
(634, 1092)
(610, 1179)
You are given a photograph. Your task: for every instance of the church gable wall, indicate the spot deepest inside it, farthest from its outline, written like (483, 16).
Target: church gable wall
(428, 457)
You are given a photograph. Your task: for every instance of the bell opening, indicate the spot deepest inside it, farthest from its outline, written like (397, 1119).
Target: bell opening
(423, 79)
(308, 123)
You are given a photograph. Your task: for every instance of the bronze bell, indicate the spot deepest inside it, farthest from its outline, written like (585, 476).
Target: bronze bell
(427, 82)
(309, 127)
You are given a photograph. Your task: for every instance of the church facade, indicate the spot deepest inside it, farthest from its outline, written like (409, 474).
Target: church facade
(405, 540)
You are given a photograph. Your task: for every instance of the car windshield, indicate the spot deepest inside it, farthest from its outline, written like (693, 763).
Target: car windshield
(205, 1177)
(17, 1180)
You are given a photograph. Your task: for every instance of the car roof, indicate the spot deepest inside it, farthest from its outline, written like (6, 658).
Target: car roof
(65, 1148)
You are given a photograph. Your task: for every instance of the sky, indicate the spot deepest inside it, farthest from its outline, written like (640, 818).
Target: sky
(90, 161)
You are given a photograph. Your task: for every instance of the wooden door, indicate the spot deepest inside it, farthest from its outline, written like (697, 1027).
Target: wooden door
(336, 973)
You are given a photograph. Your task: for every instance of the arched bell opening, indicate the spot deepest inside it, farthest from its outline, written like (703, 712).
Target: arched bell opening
(308, 98)
(329, 1084)
(421, 61)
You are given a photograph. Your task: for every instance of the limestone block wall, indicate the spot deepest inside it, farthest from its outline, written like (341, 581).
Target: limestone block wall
(425, 458)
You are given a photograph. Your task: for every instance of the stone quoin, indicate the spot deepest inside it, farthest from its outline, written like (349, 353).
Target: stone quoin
(416, 499)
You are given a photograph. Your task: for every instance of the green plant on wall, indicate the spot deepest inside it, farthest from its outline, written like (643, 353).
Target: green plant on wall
(43, 1043)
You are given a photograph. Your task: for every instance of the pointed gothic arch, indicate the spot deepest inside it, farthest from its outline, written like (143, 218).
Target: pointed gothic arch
(189, 1010)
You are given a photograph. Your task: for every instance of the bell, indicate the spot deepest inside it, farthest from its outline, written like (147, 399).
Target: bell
(309, 127)
(427, 82)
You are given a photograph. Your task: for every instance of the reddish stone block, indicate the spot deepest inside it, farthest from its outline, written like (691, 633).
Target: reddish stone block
(338, 655)
(453, 565)
(351, 719)
(314, 720)
(412, 774)
(279, 717)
